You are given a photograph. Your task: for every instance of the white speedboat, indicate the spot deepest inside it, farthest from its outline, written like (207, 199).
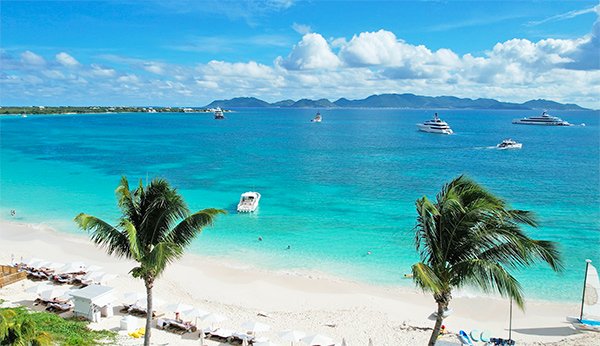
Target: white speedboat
(318, 118)
(248, 202)
(544, 119)
(435, 125)
(509, 144)
(219, 114)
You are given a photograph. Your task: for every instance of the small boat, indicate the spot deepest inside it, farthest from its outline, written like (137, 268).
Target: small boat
(248, 202)
(435, 125)
(590, 304)
(23, 115)
(318, 118)
(509, 144)
(219, 114)
(544, 119)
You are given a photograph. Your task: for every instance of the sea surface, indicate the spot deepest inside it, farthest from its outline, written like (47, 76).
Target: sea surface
(333, 191)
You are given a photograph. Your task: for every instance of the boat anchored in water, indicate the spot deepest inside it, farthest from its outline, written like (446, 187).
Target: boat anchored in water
(248, 202)
(318, 118)
(544, 119)
(219, 114)
(509, 144)
(435, 125)
(589, 301)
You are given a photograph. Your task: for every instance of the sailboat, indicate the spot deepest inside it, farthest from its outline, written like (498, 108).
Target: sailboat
(590, 301)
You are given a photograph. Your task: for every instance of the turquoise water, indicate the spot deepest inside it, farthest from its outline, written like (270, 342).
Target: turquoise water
(332, 191)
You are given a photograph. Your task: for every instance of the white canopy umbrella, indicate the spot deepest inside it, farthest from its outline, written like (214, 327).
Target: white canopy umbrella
(195, 312)
(254, 326)
(93, 268)
(214, 318)
(132, 297)
(52, 293)
(143, 303)
(178, 307)
(37, 289)
(292, 335)
(55, 265)
(73, 267)
(32, 262)
(318, 339)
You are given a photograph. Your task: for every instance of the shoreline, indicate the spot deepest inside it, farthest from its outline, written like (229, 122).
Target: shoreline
(297, 300)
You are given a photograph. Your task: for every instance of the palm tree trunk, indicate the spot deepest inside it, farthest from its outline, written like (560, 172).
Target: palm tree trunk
(149, 281)
(438, 323)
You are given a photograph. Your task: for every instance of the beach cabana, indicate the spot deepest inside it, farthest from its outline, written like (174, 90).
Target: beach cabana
(93, 302)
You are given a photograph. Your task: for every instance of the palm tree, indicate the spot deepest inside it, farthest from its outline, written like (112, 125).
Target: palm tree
(468, 236)
(20, 330)
(148, 231)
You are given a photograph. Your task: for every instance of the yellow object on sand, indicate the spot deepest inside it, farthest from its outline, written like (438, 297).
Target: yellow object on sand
(138, 333)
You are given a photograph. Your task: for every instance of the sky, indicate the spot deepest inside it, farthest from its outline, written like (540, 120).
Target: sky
(188, 53)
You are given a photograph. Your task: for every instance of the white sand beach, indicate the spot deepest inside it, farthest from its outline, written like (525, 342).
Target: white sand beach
(310, 302)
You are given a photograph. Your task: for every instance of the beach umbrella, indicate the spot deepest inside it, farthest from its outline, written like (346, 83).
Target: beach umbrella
(254, 326)
(101, 277)
(32, 262)
(178, 307)
(53, 292)
(37, 289)
(214, 318)
(73, 267)
(291, 335)
(318, 339)
(93, 268)
(196, 313)
(55, 265)
(132, 297)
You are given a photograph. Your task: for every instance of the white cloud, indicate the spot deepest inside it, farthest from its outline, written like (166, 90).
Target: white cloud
(31, 59)
(100, 71)
(53, 74)
(312, 52)
(302, 29)
(66, 60)
(154, 68)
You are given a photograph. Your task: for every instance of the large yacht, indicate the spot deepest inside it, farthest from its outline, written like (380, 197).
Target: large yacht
(509, 144)
(248, 202)
(219, 114)
(544, 119)
(435, 125)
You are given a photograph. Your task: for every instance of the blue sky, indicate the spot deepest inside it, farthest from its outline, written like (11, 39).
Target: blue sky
(191, 52)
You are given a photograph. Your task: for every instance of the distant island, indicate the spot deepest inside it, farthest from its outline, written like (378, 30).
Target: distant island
(408, 101)
(98, 109)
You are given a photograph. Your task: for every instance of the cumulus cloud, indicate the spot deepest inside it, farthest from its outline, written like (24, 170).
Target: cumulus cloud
(31, 59)
(66, 60)
(312, 52)
(100, 71)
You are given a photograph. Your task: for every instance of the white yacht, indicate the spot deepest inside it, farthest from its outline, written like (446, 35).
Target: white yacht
(509, 144)
(318, 118)
(435, 125)
(544, 119)
(248, 202)
(219, 114)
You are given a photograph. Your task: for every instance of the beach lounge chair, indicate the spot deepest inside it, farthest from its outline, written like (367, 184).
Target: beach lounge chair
(464, 338)
(59, 307)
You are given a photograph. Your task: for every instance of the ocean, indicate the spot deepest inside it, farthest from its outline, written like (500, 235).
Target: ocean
(331, 191)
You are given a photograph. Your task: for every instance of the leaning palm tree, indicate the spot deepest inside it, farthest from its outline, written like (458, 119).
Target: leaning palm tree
(148, 231)
(468, 236)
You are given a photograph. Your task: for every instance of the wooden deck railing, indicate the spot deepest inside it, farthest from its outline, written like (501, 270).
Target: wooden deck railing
(10, 274)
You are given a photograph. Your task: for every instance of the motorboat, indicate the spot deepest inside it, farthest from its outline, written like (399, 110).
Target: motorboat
(219, 114)
(248, 202)
(318, 118)
(544, 119)
(435, 125)
(509, 144)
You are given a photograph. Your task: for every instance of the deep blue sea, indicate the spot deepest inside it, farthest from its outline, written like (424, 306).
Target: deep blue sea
(332, 191)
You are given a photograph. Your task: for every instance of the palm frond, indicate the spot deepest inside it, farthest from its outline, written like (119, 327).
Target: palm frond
(187, 229)
(425, 277)
(105, 235)
(161, 255)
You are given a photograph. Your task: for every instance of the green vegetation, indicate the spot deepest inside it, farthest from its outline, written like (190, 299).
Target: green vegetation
(19, 326)
(148, 231)
(96, 109)
(468, 236)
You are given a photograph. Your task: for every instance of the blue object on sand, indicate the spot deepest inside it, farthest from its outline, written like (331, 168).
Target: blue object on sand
(475, 334)
(464, 338)
(485, 336)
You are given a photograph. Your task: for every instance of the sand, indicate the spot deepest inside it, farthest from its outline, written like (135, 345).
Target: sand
(310, 302)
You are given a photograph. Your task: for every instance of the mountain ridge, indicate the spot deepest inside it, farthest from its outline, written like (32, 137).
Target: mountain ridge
(406, 100)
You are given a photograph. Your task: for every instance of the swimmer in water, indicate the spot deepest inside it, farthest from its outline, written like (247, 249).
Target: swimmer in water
(289, 247)
(259, 238)
(13, 212)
